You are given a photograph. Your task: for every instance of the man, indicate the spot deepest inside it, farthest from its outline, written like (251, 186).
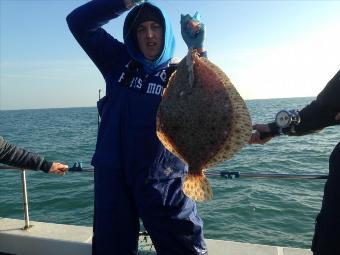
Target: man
(322, 112)
(135, 176)
(21, 158)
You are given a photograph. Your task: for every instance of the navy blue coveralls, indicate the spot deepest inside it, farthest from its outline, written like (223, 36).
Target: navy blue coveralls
(135, 176)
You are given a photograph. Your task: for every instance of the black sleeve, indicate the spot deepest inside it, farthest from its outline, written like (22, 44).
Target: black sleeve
(329, 97)
(315, 117)
(320, 113)
(18, 157)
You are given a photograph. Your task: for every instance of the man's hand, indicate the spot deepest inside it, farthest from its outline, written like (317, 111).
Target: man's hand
(256, 136)
(58, 168)
(193, 31)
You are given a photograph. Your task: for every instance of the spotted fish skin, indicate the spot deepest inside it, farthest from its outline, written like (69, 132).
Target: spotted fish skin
(202, 119)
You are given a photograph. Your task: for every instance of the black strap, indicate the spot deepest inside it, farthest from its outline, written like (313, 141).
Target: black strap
(133, 67)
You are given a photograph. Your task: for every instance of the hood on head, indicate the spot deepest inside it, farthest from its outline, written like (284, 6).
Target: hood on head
(134, 18)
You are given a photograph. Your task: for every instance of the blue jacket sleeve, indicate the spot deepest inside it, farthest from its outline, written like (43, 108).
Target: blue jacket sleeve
(85, 23)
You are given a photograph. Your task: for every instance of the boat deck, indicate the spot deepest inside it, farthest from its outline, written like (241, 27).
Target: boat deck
(58, 239)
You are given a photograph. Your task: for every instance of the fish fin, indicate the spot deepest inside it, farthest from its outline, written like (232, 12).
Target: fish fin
(197, 187)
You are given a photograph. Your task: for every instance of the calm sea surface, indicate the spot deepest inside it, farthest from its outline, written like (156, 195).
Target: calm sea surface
(265, 211)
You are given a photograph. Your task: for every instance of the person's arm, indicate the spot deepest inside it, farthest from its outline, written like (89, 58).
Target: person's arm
(315, 117)
(329, 97)
(21, 158)
(320, 113)
(85, 23)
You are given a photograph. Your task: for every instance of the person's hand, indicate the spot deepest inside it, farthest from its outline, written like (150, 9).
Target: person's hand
(193, 31)
(58, 168)
(337, 117)
(256, 136)
(131, 3)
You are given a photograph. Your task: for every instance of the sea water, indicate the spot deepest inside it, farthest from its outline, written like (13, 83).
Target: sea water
(265, 211)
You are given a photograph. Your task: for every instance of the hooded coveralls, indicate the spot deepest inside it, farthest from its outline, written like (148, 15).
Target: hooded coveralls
(135, 176)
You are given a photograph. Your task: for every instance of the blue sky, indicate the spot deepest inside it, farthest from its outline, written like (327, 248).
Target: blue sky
(269, 49)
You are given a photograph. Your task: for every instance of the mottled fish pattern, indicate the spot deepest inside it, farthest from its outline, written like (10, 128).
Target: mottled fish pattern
(202, 119)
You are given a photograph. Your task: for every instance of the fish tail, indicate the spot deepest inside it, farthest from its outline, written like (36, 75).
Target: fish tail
(197, 187)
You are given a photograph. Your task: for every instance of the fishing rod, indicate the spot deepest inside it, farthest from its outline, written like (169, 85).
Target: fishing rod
(237, 174)
(77, 167)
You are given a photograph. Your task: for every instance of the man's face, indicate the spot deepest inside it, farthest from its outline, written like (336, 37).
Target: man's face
(150, 39)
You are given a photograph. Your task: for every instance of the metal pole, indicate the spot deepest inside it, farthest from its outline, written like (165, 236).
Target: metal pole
(25, 199)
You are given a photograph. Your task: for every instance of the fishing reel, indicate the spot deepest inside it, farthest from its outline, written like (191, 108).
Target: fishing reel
(287, 119)
(285, 122)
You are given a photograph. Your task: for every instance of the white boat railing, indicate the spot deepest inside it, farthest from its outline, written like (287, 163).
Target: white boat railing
(77, 167)
(25, 199)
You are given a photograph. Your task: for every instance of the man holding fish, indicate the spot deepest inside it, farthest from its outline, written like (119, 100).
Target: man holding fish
(136, 177)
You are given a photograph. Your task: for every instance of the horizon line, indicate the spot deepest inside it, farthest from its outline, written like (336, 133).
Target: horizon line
(94, 106)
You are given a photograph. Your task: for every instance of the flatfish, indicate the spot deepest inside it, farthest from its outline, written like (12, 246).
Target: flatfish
(202, 119)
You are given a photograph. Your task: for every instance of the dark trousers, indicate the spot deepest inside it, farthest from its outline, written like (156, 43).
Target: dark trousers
(326, 239)
(168, 215)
